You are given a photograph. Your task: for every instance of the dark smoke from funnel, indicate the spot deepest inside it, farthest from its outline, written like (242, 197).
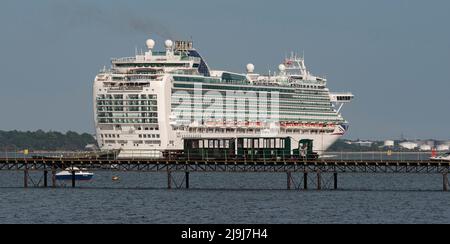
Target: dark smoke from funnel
(120, 19)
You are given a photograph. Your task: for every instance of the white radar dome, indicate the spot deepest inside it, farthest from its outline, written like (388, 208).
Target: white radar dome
(250, 68)
(150, 43)
(169, 44)
(282, 67)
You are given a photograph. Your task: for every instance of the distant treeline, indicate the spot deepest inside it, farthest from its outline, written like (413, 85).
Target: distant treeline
(41, 140)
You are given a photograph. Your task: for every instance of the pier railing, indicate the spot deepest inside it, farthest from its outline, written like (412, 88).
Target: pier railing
(139, 154)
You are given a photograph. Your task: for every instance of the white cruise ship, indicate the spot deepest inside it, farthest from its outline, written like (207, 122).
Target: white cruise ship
(145, 105)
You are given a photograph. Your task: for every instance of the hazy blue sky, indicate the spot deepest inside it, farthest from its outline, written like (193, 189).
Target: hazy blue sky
(393, 55)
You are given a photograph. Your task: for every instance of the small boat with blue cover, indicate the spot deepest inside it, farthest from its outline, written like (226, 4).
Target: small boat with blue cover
(80, 175)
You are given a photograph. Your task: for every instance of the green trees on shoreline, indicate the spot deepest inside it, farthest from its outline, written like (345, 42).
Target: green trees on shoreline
(41, 140)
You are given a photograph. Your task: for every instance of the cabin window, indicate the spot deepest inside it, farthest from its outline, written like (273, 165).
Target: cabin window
(256, 143)
(194, 144)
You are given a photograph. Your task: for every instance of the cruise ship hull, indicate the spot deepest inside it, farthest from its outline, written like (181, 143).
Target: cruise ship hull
(321, 143)
(150, 103)
(168, 134)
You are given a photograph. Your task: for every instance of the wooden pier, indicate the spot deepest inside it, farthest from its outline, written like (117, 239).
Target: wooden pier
(307, 169)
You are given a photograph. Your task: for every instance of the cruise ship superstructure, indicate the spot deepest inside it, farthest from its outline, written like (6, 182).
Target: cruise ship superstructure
(145, 105)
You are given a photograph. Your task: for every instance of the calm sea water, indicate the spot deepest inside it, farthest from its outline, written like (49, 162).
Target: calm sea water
(227, 198)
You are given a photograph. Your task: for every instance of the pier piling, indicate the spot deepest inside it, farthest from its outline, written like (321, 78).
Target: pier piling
(169, 180)
(187, 180)
(25, 177)
(335, 181)
(45, 178)
(73, 178)
(305, 180)
(319, 181)
(53, 177)
(445, 181)
(289, 180)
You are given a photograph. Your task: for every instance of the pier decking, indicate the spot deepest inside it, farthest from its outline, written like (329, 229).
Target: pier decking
(289, 167)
